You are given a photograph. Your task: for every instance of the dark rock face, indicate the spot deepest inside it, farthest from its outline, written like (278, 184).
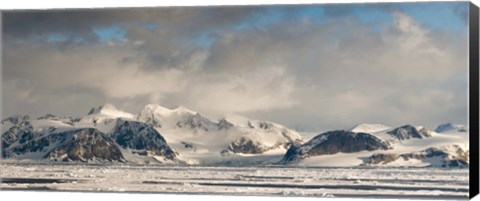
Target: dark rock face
(333, 142)
(140, 136)
(86, 145)
(21, 131)
(196, 121)
(344, 141)
(449, 126)
(75, 145)
(292, 155)
(151, 120)
(408, 132)
(224, 125)
(265, 125)
(37, 145)
(80, 144)
(66, 120)
(457, 158)
(246, 146)
(382, 158)
(188, 145)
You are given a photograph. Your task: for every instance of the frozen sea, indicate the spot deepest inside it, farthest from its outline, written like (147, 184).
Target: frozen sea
(420, 183)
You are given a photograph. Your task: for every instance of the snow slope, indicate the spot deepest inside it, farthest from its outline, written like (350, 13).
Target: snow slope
(180, 135)
(233, 139)
(369, 128)
(194, 138)
(436, 140)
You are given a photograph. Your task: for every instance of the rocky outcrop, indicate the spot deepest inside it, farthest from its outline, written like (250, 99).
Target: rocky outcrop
(67, 120)
(382, 158)
(247, 146)
(409, 132)
(83, 145)
(140, 136)
(448, 127)
(334, 142)
(445, 156)
(18, 129)
(86, 145)
(223, 124)
(197, 121)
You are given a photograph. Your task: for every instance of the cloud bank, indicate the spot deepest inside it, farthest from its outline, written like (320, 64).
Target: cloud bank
(307, 67)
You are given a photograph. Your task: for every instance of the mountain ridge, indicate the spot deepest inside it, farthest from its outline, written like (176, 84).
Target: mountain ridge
(160, 135)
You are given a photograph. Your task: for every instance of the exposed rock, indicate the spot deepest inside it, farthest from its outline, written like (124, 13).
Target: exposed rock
(86, 145)
(334, 142)
(382, 158)
(292, 155)
(66, 120)
(451, 127)
(408, 132)
(140, 136)
(246, 146)
(74, 145)
(197, 121)
(343, 141)
(188, 145)
(224, 125)
(451, 156)
(20, 130)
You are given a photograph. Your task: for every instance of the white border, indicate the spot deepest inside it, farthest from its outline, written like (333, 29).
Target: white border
(31, 4)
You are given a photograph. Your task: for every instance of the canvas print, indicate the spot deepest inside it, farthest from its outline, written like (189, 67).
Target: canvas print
(324, 100)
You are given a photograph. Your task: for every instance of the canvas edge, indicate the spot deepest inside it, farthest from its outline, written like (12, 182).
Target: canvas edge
(474, 99)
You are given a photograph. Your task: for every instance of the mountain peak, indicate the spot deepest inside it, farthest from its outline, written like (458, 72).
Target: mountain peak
(154, 108)
(101, 108)
(183, 109)
(451, 127)
(110, 110)
(369, 128)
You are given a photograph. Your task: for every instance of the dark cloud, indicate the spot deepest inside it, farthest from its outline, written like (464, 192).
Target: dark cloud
(80, 23)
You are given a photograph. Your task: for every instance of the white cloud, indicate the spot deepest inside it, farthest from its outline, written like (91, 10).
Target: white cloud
(262, 89)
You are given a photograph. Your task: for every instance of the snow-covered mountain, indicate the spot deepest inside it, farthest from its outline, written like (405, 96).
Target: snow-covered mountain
(109, 110)
(379, 145)
(156, 134)
(450, 127)
(232, 139)
(333, 142)
(142, 139)
(33, 139)
(161, 135)
(369, 128)
(87, 144)
(443, 156)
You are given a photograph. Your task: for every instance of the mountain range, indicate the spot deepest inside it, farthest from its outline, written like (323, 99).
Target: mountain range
(179, 136)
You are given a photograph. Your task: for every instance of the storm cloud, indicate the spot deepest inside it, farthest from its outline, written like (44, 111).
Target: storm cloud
(310, 67)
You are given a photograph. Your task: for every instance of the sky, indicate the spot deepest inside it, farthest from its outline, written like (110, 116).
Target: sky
(309, 67)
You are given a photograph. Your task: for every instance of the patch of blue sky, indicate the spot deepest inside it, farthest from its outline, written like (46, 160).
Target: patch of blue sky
(444, 16)
(61, 37)
(315, 13)
(261, 19)
(109, 33)
(377, 18)
(202, 39)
